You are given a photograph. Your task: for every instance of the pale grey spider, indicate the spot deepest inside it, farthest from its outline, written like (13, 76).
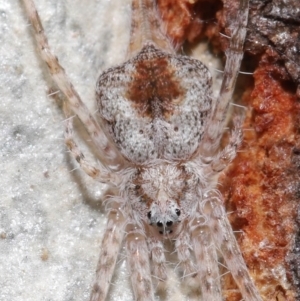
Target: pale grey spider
(158, 136)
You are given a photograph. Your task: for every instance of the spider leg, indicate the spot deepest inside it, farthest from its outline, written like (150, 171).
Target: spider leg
(234, 54)
(145, 27)
(107, 150)
(110, 248)
(183, 247)
(156, 249)
(221, 160)
(207, 261)
(225, 240)
(224, 157)
(138, 263)
(100, 174)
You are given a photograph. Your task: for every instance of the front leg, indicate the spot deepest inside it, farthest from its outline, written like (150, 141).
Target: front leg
(138, 263)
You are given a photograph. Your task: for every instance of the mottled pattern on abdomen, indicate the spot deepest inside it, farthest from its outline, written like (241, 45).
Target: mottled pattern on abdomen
(155, 105)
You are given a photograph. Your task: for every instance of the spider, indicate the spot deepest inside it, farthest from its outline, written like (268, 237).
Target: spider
(158, 137)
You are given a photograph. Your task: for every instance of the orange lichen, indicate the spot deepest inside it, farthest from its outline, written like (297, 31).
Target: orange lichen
(261, 185)
(187, 20)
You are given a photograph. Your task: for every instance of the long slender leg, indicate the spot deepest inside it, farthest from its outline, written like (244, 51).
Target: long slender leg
(207, 261)
(224, 157)
(221, 160)
(107, 150)
(158, 259)
(183, 248)
(101, 174)
(225, 240)
(138, 263)
(145, 27)
(213, 134)
(110, 248)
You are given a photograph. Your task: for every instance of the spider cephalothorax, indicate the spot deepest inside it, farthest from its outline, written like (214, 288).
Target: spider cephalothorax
(163, 196)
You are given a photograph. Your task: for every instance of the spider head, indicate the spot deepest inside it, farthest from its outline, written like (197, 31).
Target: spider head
(161, 189)
(164, 216)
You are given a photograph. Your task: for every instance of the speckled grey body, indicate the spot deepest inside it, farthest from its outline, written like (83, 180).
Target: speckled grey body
(156, 125)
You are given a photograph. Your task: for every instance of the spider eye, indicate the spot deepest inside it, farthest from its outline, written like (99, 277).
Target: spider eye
(169, 223)
(159, 224)
(149, 214)
(177, 211)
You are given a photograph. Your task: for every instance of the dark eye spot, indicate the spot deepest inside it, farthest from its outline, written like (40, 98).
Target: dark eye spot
(137, 187)
(176, 128)
(161, 232)
(159, 224)
(149, 214)
(178, 212)
(169, 223)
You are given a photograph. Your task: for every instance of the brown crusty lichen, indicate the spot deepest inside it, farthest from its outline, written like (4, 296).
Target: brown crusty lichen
(262, 186)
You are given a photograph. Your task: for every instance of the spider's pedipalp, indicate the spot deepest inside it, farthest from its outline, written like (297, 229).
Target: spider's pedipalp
(158, 259)
(138, 263)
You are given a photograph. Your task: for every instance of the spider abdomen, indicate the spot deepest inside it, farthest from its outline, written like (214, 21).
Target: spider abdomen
(155, 105)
